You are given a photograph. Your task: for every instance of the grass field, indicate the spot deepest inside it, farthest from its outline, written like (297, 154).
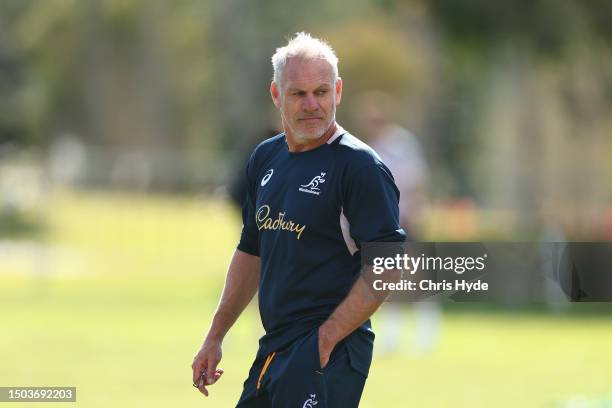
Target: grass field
(116, 297)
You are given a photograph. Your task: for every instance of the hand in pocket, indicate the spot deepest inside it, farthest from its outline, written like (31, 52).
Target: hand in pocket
(324, 348)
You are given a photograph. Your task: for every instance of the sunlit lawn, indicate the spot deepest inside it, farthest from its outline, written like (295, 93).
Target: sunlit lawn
(117, 297)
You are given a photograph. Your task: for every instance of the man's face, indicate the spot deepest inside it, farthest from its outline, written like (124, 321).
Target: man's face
(307, 98)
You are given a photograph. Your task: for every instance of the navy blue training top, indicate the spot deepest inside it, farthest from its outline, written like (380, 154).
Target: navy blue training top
(306, 215)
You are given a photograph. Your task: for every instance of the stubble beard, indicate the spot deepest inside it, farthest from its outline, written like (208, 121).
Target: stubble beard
(304, 136)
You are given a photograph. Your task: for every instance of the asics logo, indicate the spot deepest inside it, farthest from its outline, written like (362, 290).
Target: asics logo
(267, 177)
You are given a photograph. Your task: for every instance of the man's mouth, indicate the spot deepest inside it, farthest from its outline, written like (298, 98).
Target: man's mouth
(310, 119)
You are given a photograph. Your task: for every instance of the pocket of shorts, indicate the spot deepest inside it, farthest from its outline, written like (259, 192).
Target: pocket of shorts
(359, 361)
(361, 368)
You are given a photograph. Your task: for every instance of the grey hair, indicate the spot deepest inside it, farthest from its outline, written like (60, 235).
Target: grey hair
(306, 47)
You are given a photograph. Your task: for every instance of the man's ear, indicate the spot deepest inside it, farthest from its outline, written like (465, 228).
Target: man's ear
(275, 93)
(338, 90)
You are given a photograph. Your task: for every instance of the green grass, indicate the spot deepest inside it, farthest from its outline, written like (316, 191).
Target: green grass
(117, 300)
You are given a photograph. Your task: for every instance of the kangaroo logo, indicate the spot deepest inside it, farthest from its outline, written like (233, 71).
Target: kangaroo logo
(313, 186)
(310, 402)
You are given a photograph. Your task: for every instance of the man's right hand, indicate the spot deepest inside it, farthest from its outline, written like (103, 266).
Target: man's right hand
(206, 362)
(240, 287)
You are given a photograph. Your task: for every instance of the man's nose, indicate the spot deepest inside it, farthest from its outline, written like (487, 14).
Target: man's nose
(310, 103)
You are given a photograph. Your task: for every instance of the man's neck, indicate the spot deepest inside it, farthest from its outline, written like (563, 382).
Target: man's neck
(310, 144)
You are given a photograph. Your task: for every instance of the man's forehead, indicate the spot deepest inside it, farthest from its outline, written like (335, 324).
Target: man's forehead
(300, 72)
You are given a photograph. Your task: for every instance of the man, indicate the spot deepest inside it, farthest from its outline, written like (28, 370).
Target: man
(315, 195)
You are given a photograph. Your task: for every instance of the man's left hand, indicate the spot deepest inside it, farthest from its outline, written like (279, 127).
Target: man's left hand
(326, 346)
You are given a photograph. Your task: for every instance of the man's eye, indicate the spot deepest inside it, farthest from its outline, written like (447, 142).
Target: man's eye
(322, 92)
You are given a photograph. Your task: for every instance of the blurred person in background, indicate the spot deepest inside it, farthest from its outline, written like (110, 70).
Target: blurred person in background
(401, 151)
(315, 195)
(237, 189)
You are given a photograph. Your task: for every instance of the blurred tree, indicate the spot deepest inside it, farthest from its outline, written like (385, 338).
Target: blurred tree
(11, 130)
(45, 36)
(194, 75)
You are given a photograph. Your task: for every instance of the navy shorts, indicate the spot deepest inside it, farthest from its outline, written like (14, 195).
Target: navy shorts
(292, 378)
